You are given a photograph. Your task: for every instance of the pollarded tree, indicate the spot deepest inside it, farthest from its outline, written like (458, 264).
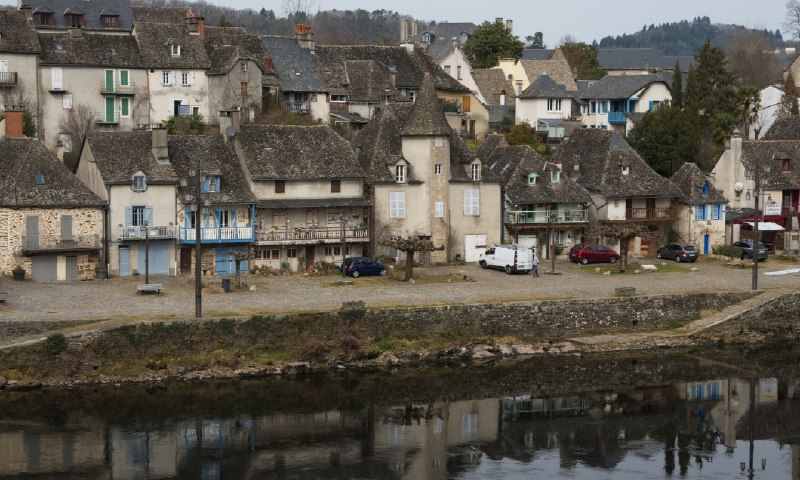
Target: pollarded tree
(490, 41)
(624, 232)
(789, 100)
(410, 246)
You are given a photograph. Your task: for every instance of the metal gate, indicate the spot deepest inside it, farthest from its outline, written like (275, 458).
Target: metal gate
(474, 245)
(44, 268)
(72, 267)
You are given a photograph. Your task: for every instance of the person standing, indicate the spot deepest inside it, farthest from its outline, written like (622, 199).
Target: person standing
(535, 264)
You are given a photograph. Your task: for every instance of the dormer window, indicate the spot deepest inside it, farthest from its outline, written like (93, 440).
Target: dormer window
(462, 39)
(786, 165)
(532, 178)
(555, 176)
(400, 173)
(39, 179)
(139, 183)
(426, 37)
(175, 50)
(626, 170)
(705, 189)
(476, 172)
(110, 21)
(44, 19)
(210, 184)
(75, 19)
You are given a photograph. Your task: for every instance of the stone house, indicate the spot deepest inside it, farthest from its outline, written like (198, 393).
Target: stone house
(99, 71)
(700, 216)
(542, 207)
(640, 61)
(613, 102)
(425, 182)
(309, 193)
(50, 223)
(626, 193)
(19, 51)
(132, 172)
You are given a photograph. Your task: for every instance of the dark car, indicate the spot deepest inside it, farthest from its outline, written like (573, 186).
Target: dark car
(747, 249)
(680, 252)
(357, 266)
(591, 252)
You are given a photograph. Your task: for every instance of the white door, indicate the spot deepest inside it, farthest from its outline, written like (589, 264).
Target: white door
(474, 246)
(526, 241)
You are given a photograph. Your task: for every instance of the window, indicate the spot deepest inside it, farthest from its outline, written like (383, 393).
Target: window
(439, 142)
(166, 78)
(45, 19)
(111, 21)
(555, 176)
(125, 107)
(654, 104)
(438, 209)
(186, 79)
(39, 179)
(243, 66)
(458, 72)
(447, 69)
(604, 105)
(716, 211)
(266, 253)
(138, 216)
(400, 173)
(291, 253)
(336, 186)
(397, 204)
(210, 184)
(56, 79)
(426, 38)
(472, 202)
(66, 227)
(699, 212)
(593, 107)
(175, 50)
(786, 165)
(561, 237)
(532, 178)
(553, 104)
(280, 186)
(66, 101)
(124, 78)
(139, 183)
(328, 251)
(626, 170)
(75, 20)
(437, 169)
(338, 98)
(476, 172)
(66, 142)
(705, 189)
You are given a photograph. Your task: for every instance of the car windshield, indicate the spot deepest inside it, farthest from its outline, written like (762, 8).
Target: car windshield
(689, 248)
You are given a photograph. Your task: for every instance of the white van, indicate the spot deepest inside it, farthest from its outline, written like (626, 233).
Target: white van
(507, 257)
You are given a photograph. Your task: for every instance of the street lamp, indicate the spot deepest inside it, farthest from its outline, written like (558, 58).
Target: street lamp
(552, 218)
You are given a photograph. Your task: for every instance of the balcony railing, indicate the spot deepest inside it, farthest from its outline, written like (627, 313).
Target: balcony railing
(617, 118)
(302, 107)
(111, 88)
(58, 243)
(302, 234)
(518, 217)
(218, 235)
(108, 118)
(649, 214)
(8, 79)
(163, 232)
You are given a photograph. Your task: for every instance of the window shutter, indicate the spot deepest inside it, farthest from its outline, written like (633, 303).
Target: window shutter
(148, 216)
(466, 103)
(206, 184)
(124, 107)
(216, 183)
(128, 216)
(650, 106)
(123, 77)
(191, 79)
(66, 227)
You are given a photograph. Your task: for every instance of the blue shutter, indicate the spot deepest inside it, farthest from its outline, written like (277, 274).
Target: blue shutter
(128, 216)
(705, 217)
(206, 184)
(148, 216)
(650, 106)
(216, 183)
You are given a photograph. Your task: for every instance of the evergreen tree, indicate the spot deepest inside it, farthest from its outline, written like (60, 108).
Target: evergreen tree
(691, 95)
(582, 58)
(490, 41)
(677, 86)
(666, 138)
(789, 100)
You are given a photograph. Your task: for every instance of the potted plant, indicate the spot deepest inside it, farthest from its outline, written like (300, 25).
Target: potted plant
(18, 273)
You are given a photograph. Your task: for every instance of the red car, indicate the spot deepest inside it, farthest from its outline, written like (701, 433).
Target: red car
(591, 252)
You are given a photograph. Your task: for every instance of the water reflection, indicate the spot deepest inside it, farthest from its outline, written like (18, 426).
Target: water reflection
(713, 423)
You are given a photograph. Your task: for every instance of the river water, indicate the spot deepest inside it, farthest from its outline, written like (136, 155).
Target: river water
(710, 414)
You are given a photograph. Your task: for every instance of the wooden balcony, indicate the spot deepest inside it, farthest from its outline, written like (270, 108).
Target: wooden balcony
(652, 214)
(312, 234)
(540, 217)
(32, 244)
(164, 232)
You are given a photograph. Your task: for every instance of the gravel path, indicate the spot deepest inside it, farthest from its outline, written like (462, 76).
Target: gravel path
(116, 301)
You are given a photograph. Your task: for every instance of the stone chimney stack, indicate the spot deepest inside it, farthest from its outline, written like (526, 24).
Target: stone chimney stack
(509, 25)
(196, 24)
(499, 20)
(26, 8)
(403, 29)
(160, 150)
(518, 88)
(304, 36)
(13, 123)
(414, 27)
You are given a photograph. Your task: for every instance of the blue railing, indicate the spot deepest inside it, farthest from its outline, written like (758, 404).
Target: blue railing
(617, 118)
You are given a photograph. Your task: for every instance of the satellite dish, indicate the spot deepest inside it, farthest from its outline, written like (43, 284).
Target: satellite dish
(230, 132)
(738, 187)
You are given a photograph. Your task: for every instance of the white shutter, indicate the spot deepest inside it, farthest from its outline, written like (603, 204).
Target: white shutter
(472, 201)
(397, 204)
(56, 77)
(438, 209)
(191, 78)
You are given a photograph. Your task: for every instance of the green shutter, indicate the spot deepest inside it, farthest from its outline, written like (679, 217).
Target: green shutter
(124, 107)
(109, 109)
(109, 81)
(123, 77)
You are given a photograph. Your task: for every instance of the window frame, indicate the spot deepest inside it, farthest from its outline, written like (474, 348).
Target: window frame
(472, 202)
(555, 176)
(139, 182)
(475, 172)
(533, 178)
(397, 204)
(280, 186)
(437, 169)
(166, 78)
(336, 186)
(400, 173)
(175, 50)
(438, 209)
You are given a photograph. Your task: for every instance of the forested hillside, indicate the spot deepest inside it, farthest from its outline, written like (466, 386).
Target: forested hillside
(684, 37)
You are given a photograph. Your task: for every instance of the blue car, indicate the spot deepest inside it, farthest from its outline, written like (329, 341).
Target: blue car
(747, 249)
(357, 266)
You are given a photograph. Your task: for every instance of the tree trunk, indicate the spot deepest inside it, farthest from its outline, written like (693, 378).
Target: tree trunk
(409, 265)
(623, 254)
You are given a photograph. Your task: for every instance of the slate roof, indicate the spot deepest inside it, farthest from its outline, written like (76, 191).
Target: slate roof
(544, 87)
(215, 156)
(226, 46)
(499, 112)
(426, 112)
(784, 128)
(90, 49)
(16, 33)
(410, 66)
(118, 155)
(438, 51)
(621, 86)
(444, 32)
(21, 161)
(601, 156)
(513, 163)
(291, 152)
(492, 81)
(640, 58)
(91, 10)
(154, 44)
(556, 68)
(690, 179)
(293, 64)
(154, 14)
(775, 151)
(537, 53)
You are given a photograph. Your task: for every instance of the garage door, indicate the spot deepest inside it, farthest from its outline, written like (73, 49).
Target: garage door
(526, 241)
(72, 267)
(158, 258)
(474, 245)
(43, 269)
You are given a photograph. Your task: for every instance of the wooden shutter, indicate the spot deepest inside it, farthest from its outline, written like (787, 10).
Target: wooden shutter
(465, 103)
(66, 227)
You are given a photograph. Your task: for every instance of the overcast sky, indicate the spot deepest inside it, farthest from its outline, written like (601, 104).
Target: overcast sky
(585, 20)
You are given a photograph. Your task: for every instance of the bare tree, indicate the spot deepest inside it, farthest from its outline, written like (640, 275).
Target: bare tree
(792, 23)
(410, 246)
(295, 8)
(750, 55)
(240, 256)
(19, 98)
(623, 232)
(77, 122)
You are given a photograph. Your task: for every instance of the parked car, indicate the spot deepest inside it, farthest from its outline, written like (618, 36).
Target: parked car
(747, 249)
(357, 266)
(507, 257)
(591, 252)
(680, 252)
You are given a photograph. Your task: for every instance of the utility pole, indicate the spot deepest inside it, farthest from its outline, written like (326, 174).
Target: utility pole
(198, 249)
(342, 219)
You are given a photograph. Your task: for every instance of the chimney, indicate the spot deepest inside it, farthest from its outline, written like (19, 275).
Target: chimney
(13, 122)
(75, 32)
(518, 88)
(26, 8)
(304, 36)
(195, 24)
(230, 122)
(159, 144)
(509, 25)
(201, 27)
(403, 29)
(499, 20)
(414, 27)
